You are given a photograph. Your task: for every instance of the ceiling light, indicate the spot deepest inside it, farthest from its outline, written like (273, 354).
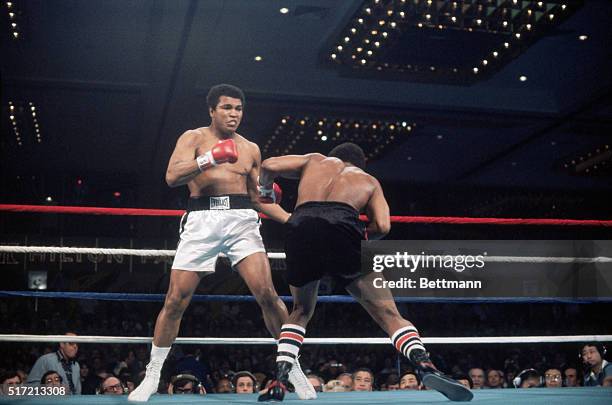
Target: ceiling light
(284, 10)
(523, 78)
(583, 37)
(258, 58)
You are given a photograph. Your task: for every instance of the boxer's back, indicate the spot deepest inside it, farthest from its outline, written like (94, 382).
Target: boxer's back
(330, 179)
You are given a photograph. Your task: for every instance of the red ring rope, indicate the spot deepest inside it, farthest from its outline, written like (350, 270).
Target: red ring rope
(397, 219)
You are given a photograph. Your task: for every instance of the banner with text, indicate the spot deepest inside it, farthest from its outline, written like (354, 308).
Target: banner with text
(490, 268)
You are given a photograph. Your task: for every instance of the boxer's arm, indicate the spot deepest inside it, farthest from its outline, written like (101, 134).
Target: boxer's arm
(273, 211)
(377, 211)
(183, 166)
(289, 166)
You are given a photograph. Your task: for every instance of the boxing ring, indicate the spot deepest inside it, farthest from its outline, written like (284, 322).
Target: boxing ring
(584, 395)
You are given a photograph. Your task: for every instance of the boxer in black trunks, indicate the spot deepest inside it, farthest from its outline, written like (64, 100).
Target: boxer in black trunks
(324, 237)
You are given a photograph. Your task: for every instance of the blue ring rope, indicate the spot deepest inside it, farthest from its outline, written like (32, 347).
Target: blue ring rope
(322, 298)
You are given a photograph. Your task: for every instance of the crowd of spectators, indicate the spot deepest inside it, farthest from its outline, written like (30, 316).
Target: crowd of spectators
(91, 368)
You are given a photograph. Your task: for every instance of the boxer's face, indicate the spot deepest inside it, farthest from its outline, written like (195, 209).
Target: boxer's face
(226, 116)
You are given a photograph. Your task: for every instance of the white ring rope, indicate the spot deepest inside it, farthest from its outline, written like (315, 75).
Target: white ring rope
(318, 341)
(278, 255)
(102, 251)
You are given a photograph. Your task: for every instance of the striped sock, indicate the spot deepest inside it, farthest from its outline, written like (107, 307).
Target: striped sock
(290, 341)
(407, 339)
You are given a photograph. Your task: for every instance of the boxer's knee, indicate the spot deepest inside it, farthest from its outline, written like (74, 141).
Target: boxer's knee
(266, 297)
(176, 304)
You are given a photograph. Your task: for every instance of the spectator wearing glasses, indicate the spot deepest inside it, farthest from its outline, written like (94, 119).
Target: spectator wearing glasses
(185, 384)
(112, 386)
(552, 378)
(51, 378)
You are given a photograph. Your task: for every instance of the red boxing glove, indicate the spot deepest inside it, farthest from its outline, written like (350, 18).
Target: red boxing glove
(223, 152)
(270, 195)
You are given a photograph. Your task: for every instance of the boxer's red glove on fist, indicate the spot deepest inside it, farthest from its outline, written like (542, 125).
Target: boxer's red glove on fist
(271, 194)
(223, 152)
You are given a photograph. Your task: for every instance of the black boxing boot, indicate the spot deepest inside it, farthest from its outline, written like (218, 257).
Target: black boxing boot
(276, 390)
(434, 379)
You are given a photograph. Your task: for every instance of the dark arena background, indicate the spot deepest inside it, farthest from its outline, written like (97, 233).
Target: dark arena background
(482, 120)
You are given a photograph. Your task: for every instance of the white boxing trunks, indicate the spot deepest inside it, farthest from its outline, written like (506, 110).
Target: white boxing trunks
(215, 225)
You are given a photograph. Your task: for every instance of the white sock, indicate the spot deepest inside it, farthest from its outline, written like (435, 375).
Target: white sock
(159, 354)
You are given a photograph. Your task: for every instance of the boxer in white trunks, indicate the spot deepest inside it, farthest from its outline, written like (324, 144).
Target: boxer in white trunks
(220, 168)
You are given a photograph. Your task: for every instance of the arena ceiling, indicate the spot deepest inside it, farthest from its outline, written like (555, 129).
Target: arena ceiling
(113, 84)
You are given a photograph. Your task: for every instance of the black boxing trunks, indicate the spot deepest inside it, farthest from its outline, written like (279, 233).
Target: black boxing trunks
(323, 238)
